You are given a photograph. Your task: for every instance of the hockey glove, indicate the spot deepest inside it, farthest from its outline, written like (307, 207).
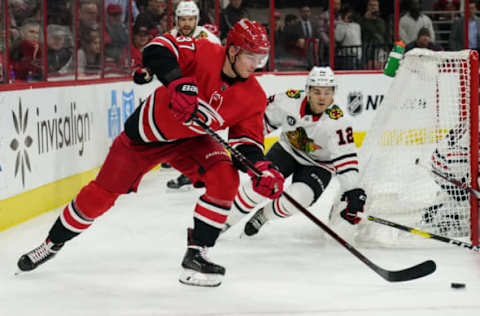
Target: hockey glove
(356, 199)
(184, 98)
(299, 139)
(141, 76)
(270, 183)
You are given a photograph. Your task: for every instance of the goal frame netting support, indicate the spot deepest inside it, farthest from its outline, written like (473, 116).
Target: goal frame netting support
(474, 130)
(430, 112)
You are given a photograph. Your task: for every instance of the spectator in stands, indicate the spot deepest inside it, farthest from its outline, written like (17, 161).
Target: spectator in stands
(26, 54)
(413, 21)
(124, 5)
(279, 37)
(294, 42)
(152, 16)
(374, 35)
(423, 41)
(230, 15)
(87, 15)
(59, 12)
(116, 39)
(348, 35)
(308, 27)
(141, 36)
(457, 34)
(324, 23)
(89, 54)
(450, 7)
(59, 52)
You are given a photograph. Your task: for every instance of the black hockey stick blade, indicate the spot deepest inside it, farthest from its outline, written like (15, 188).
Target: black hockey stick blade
(415, 272)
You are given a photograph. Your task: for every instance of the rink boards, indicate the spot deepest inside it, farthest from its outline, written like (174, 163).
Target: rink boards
(53, 140)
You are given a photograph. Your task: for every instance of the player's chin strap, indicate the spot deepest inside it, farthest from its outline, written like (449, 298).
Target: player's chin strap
(417, 271)
(233, 64)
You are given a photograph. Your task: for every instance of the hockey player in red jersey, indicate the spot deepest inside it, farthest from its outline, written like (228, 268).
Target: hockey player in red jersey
(203, 80)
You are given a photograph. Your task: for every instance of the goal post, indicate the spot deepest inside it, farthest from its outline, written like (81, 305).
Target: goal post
(430, 113)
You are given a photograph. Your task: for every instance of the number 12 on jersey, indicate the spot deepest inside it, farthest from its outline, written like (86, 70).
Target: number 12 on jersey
(345, 137)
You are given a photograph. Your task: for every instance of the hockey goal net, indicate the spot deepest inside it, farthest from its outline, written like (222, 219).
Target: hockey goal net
(429, 115)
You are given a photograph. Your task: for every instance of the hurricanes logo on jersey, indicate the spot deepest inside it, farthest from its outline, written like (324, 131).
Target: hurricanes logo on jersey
(334, 112)
(294, 94)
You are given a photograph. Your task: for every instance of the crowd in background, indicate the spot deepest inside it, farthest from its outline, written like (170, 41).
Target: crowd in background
(104, 38)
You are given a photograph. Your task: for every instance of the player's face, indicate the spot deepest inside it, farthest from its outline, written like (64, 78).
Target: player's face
(186, 25)
(320, 98)
(247, 62)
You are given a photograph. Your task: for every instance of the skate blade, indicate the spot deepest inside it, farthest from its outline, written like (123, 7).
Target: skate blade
(195, 278)
(185, 188)
(18, 272)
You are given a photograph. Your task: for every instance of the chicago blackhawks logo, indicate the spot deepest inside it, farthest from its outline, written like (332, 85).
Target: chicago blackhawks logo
(202, 34)
(294, 94)
(334, 112)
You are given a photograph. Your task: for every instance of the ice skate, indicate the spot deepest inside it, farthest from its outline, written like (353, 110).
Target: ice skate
(32, 259)
(198, 270)
(255, 223)
(181, 183)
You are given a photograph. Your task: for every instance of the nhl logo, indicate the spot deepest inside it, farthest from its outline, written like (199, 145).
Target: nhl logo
(355, 103)
(291, 120)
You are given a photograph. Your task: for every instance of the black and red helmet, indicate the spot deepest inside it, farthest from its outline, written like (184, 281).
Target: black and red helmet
(250, 36)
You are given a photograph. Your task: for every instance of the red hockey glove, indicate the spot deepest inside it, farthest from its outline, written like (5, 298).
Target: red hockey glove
(356, 199)
(184, 98)
(141, 76)
(270, 184)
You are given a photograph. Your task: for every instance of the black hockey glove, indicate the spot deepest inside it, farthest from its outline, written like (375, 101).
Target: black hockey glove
(142, 76)
(356, 199)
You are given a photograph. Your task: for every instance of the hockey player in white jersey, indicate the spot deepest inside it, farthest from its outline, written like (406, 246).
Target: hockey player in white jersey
(316, 142)
(186, 23)
(186, 19)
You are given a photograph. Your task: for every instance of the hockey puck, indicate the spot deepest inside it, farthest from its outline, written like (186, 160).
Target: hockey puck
(457, 285)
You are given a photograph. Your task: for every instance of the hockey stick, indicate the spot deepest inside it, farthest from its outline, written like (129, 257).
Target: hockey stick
(423, 234)
(415, 272)
(452, 181)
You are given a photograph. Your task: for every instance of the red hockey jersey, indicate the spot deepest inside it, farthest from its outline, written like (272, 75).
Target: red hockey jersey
(240, 106)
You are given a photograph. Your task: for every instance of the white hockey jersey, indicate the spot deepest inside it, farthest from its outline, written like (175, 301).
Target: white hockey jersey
(200, 32)
(331, 133)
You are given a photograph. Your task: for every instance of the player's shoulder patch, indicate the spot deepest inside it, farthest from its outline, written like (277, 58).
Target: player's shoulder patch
(202, 34)
(334, 112)
(293, 93)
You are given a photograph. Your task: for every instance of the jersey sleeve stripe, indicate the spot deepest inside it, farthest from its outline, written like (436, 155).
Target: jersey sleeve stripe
(141, 130)
(347, 170)
(344, 156)
(165, 42)
(352, 162)
(237, 141)
(152, 124)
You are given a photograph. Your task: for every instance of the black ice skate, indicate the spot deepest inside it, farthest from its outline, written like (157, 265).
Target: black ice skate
(198, 270)
(32, 259)
(255, 223)
(181, 183)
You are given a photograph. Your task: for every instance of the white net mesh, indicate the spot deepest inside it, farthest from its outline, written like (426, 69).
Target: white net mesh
(424, 116)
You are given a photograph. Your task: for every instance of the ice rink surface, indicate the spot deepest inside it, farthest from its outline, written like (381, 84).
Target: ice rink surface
(128, 263)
